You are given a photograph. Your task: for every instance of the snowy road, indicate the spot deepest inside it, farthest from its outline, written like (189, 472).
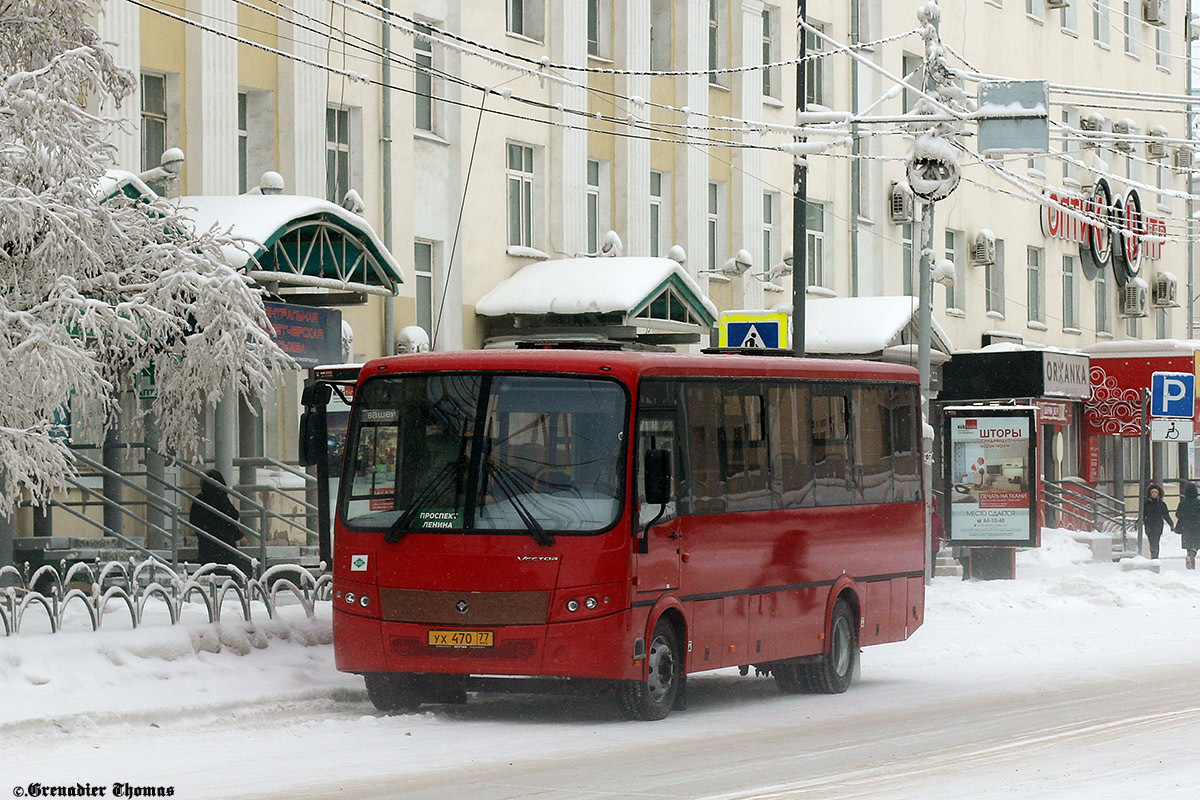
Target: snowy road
(1077, 680)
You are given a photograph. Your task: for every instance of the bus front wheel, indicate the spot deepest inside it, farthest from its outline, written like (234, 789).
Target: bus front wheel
(653, 698)
(389, 691)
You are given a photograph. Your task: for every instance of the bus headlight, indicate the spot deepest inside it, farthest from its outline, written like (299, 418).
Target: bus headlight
(364, 601)
(572, 606)
(590, 603)
(350, 598)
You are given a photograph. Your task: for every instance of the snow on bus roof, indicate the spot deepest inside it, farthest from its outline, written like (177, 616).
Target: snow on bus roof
(586, 285)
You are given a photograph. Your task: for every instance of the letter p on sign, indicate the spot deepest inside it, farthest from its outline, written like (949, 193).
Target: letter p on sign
(1172, 394)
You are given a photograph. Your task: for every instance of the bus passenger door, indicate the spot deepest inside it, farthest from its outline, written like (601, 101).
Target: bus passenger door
(656, 527)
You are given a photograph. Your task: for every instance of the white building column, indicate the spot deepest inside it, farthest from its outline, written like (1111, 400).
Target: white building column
(747, 188)
(567, 156)
(691, 163)
(211, 99)
(302, 97)
(631, 173)
(119, 25)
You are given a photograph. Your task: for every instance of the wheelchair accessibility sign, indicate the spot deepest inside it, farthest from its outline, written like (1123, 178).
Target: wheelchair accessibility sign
(762, 329)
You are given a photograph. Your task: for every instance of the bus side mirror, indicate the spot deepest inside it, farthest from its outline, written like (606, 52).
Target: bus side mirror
(312, 438)
(657, 486)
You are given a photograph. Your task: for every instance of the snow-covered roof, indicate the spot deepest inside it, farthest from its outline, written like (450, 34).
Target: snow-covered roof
(626, 284)
(861, 325)
(1143, 348)
(264, 221)
(116, 181)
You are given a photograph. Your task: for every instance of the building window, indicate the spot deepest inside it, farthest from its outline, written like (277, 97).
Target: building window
(1162, 42)
(771, 85)
(995, 281)
(656, 215)
(913, 69)
(714, 223)
(593, 205)
(1100, 23)
(525, 18)
(1162, 179)
(154, 124)
(814, 66)
(714, 42)
(1102, 320)
(1035, 9)
(1070, 290)
(1035, 284)
(1133, 327)
(814, 215)
(1132, 19)
(423, 278)
(520, 195)
(599, 26)
(955, 253)
(660, 34)
(769, 236)
(337, 153)
(243, 143)
(1070, 171)
(1068, 20)
(423, 79)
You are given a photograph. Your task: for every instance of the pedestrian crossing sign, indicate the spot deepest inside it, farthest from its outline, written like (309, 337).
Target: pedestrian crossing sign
(753, 329)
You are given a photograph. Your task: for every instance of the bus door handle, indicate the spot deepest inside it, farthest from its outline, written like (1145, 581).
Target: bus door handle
(675, 535)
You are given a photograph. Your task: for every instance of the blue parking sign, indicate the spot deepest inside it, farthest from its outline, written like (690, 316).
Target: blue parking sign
(1172, 394)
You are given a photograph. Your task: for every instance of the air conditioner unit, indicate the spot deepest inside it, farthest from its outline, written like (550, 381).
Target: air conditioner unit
(1058, 3)
(901, 205)
(1154, 147)
(1166, 287)
(1155, 12)
(1183, 157)
(984, 250)
(1125, 126)
(1135, 300)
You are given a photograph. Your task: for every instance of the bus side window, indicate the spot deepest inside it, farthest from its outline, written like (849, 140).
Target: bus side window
(872, 444)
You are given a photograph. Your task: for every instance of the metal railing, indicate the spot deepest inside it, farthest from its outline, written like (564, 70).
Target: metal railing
(144, 492)
(1076, 499)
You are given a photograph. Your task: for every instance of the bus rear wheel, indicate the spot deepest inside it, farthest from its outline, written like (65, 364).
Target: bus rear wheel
(653, 698)
(832, 671)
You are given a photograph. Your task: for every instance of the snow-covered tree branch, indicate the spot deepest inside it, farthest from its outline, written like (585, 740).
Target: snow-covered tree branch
(95, 289)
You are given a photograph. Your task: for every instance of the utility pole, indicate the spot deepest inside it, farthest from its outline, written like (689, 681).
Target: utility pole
(800, 194)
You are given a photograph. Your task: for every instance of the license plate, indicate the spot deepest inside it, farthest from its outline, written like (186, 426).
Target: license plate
(461, 639)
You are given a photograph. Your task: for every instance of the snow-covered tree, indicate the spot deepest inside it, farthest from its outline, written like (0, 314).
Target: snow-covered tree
(93, 288)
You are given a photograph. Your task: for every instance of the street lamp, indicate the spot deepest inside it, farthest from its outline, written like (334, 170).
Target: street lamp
(170, 165)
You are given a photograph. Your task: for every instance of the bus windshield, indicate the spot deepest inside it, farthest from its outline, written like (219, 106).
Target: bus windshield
(462, 452)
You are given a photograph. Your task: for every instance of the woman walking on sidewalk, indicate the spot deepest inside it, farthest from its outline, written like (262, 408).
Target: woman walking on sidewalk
(1187, 522)
(1154, 514)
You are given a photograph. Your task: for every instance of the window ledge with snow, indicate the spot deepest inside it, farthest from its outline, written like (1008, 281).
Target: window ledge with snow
(430, 136)
(996, 314)
(1034, 325)
(526, 252)
(821, 291)
(956, 312)
(1073, 331)
(773, 102)
(1103, 335)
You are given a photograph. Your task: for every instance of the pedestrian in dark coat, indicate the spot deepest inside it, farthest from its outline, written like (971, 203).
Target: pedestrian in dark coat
(1154, 514)
(1187, 522)
(213, 498)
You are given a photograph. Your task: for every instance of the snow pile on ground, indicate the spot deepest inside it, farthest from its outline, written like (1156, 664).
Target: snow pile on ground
(73, 678)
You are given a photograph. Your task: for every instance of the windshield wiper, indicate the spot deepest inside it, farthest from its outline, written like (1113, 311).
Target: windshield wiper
(397, 530)
(505, 480)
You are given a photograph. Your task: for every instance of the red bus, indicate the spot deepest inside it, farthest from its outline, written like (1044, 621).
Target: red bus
(527, 519)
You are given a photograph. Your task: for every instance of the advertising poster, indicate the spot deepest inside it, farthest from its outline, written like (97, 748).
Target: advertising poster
(991, 478)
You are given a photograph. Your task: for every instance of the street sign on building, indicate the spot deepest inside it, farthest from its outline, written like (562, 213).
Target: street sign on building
(765, 329)
(1172, 394)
